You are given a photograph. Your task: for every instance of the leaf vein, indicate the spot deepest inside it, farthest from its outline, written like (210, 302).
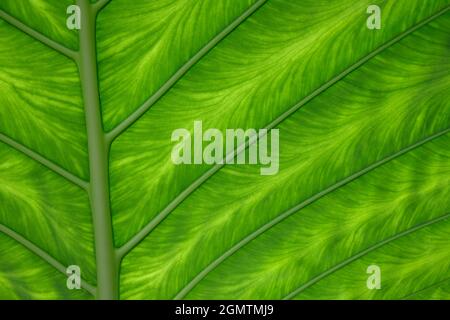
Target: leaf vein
(296, 208)
(99, 5)
(72, 54)
(45, 162)
(363, 253)
(43, 255)
(124, 125)
(138, 237)
(436, 284)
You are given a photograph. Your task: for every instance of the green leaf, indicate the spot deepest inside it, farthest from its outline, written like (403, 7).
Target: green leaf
(46, 17)
(86, 119)
(23, 275)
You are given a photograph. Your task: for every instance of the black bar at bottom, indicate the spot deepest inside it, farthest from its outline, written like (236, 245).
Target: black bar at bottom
(224, 309)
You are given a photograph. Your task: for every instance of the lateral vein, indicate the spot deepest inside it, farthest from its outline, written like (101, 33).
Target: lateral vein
(138, 237)
(114, 133)
(298, 207)
(43, 255)
(99, 5)
(426, 288)
(363, 253)
(72, 54)
(45, 162)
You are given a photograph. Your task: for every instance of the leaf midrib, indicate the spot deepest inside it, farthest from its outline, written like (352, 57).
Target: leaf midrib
(152, 224)
(83, 58)
(107, 138)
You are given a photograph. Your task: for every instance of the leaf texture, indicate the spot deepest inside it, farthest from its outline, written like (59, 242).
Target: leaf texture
(325, 142)
(242, 83)
(86, 175)
(19, 281)
(149, 43)
(50, 116)
(46, 17)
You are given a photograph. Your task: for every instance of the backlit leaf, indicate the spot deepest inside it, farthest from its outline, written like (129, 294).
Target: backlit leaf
(87, 179)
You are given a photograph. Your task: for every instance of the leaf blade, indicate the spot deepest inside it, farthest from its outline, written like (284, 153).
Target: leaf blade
(132, 158)
(169, 248)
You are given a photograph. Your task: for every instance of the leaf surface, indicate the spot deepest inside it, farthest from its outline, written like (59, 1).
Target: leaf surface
(86, 175)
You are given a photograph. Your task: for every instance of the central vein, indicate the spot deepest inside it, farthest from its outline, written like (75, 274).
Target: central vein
(107, 266)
